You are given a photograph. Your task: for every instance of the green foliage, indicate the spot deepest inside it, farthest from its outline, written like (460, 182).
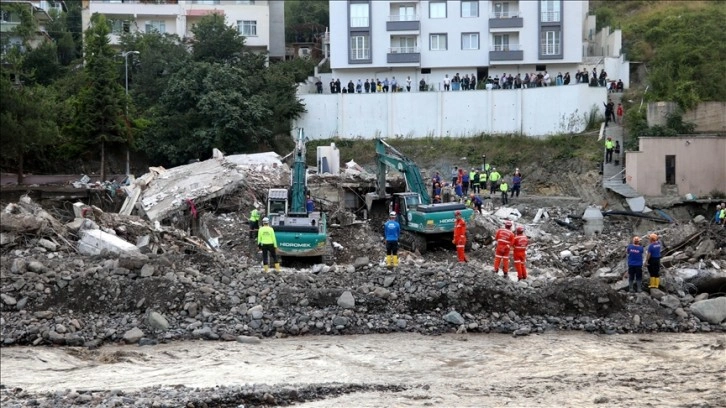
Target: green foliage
(27, 115)
(99, 116)
(299, 69)
(304, 20)
(41, 64)
(21, 12)
(216, 42)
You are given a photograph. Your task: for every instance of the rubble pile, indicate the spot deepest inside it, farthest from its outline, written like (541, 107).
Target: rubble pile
(172, 286)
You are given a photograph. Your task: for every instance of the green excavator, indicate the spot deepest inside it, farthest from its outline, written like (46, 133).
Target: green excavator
(422, 223)
(299, 233)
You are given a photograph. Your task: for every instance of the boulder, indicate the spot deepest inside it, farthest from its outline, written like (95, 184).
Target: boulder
(134, 335)
(454, 317)
(157, 321)
(346, 300)
(710, 310)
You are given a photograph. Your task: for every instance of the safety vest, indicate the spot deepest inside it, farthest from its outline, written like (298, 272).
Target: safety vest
(482, 178)
(266, 236)
(520, 243)
(255, 215)
(495, 176)
(472, 177)
(504, 187)
(609, 144)
(723, 214)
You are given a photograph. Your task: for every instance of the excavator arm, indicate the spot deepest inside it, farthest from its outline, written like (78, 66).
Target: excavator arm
(298, 182)
(388, 156)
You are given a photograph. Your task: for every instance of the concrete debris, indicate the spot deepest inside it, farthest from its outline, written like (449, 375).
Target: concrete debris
(636, 204)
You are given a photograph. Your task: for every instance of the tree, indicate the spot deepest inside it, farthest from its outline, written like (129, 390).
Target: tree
(99, 117)
(216, 42)
(27, 121)
(305, 20)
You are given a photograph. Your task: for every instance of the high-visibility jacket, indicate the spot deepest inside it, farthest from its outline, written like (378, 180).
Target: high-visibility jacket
(504, 187)
(520, 244)
(460, 231)
(504, 238)
(255, 215)
(473, 177)
(482, 178)
(495, 176)
(609, 144)
(723, 214)
(266, 236)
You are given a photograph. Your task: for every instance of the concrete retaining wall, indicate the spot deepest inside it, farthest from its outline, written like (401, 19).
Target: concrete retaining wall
(532, 112)
(707, 116)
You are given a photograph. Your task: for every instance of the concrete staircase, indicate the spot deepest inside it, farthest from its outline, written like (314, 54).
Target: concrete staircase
(613, 174)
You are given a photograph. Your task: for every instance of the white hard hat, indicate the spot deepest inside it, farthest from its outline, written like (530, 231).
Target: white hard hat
(265, 220)
(392, 214)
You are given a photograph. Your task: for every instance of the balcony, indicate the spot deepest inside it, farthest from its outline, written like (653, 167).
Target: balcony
(404, 55)
(143, 9)
(407, 22)
(511, 52)
(505, 20)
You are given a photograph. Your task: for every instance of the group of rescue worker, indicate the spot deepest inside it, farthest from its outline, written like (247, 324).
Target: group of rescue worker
(635, 252)
(266, 239)
(467, 186)
(505, 240)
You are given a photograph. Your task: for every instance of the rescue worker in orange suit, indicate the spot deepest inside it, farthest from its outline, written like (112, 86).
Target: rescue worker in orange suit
(503, 239)
(520, 253)
(460, 237)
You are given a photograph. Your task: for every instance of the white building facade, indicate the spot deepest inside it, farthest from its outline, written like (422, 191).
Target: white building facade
(430, 39)
(262, 23)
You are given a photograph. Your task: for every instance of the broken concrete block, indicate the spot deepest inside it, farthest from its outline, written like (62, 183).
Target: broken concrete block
(48, 244)
(699, 219)
(143, 244)
(636, 204)
(6, 238)
(537, 217)
(93, 242)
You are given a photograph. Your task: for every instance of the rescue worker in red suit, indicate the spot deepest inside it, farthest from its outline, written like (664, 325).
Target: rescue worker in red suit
(503, 239)
(460, 237)
(520, 252)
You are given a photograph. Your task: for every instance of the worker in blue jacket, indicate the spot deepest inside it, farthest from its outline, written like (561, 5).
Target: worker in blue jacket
(392, 230)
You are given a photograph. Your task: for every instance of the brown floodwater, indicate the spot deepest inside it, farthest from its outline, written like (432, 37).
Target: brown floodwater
(463, 370)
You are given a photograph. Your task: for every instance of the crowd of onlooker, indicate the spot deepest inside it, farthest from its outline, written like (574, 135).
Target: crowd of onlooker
(470, 82)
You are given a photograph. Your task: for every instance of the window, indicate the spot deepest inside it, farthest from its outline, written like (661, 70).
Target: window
(438, 42)
(550, 42)
(405, 44)
(359, 14)
(501, 42)
(670, 169)
(405, 13)
(470, 9)
(119, 27)
(437, 9)
(246, 2)
(501, 9)
(157, 26)
(470, 41)
(247, 28)
(360, 47)
(550, 10)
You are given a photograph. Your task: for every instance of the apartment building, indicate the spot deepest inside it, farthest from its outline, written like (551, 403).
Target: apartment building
(40, 11)
(430, 39)
(262, 23)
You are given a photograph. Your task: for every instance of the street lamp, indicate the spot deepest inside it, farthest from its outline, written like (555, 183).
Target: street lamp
(126, 54)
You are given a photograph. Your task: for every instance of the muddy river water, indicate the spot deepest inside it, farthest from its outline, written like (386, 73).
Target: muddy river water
(548, 370)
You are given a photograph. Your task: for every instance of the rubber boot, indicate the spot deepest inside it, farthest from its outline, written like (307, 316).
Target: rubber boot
(638, 286)
(651, 283)
(631, 288)
(277, 267)
(265, 268)
(657, 283)
(395, 261)
(389, 261)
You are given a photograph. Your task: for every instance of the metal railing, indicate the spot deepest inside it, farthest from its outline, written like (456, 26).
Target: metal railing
(506, 47)
(404, 50)
(550, 16)
(504, 14)
(359, 22)
(404, 17)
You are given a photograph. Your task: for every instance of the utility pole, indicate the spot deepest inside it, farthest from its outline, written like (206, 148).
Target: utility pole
(126, 54)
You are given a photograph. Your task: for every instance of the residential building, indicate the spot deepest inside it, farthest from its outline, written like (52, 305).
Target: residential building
(430, 39)
(677, 165)
(262, 23)
(9, 20)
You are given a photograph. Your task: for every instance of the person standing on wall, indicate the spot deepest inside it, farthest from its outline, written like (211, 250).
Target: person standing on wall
(392, 230)
(267, 242)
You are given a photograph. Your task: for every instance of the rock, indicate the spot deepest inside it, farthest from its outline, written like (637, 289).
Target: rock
(145, 341)
(699, 219)
(670, 302)
(705, 248)
(340, 321)
(388, 281)
(157, 321)
(454, 318)
(636, 320)
(401, 323)
(205, 333)
(711, 310)
(257, 314)
(565, 254)
(248, 340)
(601, 400)
(680, 313)
(8, 300)
(43, 314)
(253, 309)
(56, 338)
(361, 262)
(48, 244)
(59, 328)
(134, 335)
(523, 331)
(147, 271)
(35, 266)
(382, 293)
(657, 293)
(346, 300)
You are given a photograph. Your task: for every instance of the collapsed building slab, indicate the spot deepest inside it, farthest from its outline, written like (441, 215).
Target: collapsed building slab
(94, 242)
(163, 192)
